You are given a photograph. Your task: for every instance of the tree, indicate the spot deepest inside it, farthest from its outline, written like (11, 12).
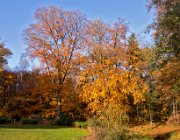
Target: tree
(20, 98)
(166, 26)
(166, 35)
(5, 77)
(104, 78)
(134, 56)
(4, 53)
(135, 69)
(55, 39)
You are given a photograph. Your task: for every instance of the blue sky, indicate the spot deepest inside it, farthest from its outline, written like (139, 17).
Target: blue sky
(16, 15)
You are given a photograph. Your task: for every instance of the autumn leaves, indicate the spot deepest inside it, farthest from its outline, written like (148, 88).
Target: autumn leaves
(106, 66)
(108, 78)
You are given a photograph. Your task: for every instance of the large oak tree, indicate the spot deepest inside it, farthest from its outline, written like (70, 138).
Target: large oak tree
(55, 39)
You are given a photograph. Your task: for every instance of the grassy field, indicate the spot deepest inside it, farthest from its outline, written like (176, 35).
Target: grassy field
(40, 133)
(26, 132)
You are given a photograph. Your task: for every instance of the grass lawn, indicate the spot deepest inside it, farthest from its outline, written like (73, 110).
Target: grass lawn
(40, 133)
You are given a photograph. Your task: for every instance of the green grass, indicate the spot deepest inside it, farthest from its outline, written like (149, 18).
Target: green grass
(40, 133)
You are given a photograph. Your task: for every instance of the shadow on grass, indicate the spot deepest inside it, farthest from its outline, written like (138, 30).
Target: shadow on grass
(32, 127)
(165, 136)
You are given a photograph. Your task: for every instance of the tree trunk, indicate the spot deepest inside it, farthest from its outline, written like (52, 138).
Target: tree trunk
(174, 109)
(137, 109)
(150, 114)
(59, 107)
(144, 117)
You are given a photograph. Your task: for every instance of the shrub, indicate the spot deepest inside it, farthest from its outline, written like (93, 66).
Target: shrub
(9, 120)
(80, 124)
(93, 122)
(29, 121)
(110, 124)
(2, 120)
(5, 120)
(64, 120)
(104, 133)
(121, 134)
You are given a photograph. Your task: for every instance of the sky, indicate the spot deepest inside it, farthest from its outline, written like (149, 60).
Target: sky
(17, 15)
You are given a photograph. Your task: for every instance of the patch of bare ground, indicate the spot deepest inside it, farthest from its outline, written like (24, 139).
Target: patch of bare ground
(155, 130)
